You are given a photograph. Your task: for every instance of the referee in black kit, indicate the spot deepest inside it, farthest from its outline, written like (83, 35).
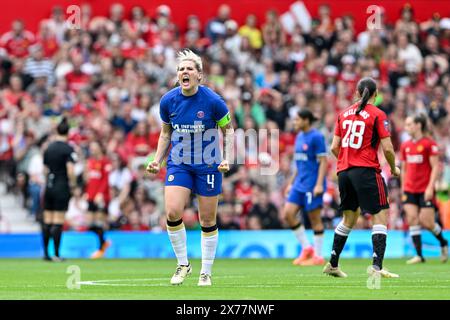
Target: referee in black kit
(59, 159)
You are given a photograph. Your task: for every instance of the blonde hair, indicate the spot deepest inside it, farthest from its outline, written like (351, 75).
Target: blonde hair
(188, 55)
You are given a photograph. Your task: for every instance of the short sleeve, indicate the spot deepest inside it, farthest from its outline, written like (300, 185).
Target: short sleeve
(164, 109)
(45, 160)
(337, 128)
(383, 126)
(71, 155)
(319, 145)
(434, 149)
(220, 113)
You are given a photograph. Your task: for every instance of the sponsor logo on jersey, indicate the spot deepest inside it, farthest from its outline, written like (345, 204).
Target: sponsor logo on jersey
(200, 114)
(417, 158)
(170, 178)
(300, 156)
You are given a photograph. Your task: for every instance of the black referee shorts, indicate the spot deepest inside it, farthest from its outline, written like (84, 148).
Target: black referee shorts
(362, 187)
(57, 197)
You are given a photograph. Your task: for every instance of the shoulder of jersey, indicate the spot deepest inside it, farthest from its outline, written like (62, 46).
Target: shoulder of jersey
(171, 93)
(376, 109)
(430, 139)
(317, 132)
(346, 109)
(209, 92)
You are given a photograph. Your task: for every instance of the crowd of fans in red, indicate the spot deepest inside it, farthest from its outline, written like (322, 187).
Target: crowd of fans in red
(109, 75)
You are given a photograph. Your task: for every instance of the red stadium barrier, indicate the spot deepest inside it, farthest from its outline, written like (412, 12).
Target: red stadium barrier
(32, 12)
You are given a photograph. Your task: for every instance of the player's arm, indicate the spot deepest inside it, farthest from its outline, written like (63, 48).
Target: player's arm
(336, 146)
(402, 175)
(163, 142)
(71, 174)
(434, 162)
(389, 154)
(228, 141)
(165, 137)
(290, 182)
(318, 189)
(227, 129)
(70, 167)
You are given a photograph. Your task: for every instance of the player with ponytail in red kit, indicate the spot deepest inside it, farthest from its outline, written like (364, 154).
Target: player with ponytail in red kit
(359, 131)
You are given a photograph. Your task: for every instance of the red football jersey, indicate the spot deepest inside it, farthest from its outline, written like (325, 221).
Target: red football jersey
(360, 136)
(98, 176)
(416, 155)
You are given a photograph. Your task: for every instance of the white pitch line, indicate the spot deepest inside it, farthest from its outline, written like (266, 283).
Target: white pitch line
(351, 285)
(105, 282)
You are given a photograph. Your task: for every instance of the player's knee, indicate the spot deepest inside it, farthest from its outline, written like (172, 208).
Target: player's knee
(317, 226)
(174, 214)
(289, 217)
(350, 222)
(426, 223)
(208, 220)
(316, 221)
(413, 220)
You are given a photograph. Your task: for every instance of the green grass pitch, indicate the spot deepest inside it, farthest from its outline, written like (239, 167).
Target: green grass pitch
(232, 279)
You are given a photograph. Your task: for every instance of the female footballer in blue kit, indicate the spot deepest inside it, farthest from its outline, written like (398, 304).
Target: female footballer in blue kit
(191, 115)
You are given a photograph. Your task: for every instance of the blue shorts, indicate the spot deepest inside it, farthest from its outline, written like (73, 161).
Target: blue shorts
(203, 184)
(306, 200)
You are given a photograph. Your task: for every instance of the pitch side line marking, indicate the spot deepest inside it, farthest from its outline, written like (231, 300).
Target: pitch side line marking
(355, 284)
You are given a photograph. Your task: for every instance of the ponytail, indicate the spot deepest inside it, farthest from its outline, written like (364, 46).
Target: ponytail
(63, 127)
(364, 99)
(366, 89)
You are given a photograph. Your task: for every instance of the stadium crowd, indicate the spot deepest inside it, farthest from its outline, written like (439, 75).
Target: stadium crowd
(108, 76)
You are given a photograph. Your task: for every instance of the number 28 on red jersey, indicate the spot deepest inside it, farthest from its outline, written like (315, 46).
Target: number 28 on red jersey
(360, 136)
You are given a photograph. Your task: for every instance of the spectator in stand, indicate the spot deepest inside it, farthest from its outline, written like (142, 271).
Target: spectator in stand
(226, 218)
(7, 162)
(216, 27)
(252, 32)
(407, 24)
(57, 23)
(266, 211)
(47, 39)
(138, 141)
(272, 30)
(190, 219)
(38, 66)
(77, 79)
(253, 223)
(409, 53)
(17, 41)
(76, 214)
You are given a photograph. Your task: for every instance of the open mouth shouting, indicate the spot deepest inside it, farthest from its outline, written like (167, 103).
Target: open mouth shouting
(185, 81)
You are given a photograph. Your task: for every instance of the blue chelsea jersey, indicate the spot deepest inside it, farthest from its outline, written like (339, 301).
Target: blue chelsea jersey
(309, 146)
(194, 120)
